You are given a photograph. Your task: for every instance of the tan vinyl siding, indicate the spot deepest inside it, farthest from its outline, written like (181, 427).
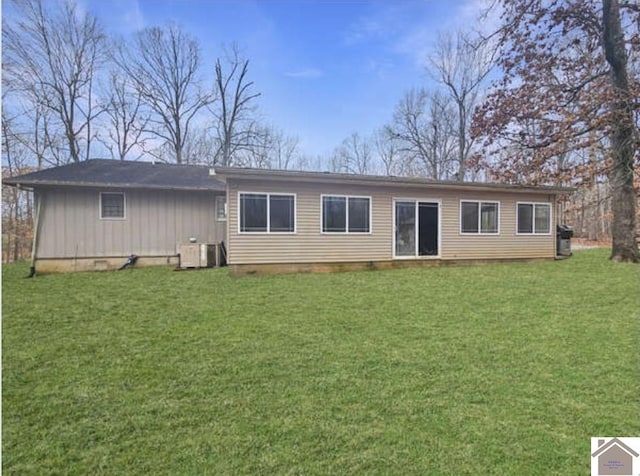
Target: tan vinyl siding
(309, 245)
(155, 222)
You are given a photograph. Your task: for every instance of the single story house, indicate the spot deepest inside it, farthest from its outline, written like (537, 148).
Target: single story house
(93, 214)
(288, 221)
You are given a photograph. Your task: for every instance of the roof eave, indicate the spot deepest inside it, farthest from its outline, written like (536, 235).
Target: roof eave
(327, 177)
(57, 183)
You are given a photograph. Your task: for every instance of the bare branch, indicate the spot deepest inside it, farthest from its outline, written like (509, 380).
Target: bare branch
(163, 66)
(236, 124)
(60, 50)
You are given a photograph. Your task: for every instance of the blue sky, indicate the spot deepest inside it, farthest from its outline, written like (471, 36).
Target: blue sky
(325, 68)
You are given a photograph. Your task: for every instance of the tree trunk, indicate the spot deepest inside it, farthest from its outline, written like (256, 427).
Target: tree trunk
(178, 153)
(462, 140)
(624, 246)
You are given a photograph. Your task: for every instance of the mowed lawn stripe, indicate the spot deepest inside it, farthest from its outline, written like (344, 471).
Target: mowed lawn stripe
(497, 369)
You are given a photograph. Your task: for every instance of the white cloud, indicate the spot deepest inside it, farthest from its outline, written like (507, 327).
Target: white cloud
(307, 73)
(411, 29)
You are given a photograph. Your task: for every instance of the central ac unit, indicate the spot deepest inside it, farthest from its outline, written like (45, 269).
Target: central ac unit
(197, 255)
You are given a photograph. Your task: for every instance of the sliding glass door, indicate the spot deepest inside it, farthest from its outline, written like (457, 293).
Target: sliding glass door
(416, 228)
(405, 228)
(427, 229)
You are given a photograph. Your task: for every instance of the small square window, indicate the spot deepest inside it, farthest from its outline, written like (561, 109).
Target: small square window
(112, 205)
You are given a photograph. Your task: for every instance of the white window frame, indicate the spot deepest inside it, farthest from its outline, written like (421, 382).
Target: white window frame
(124, 206)
(393, 227)
(268, 231)
(479, 232)
(346, 230)
(219, 199)
(533, 218)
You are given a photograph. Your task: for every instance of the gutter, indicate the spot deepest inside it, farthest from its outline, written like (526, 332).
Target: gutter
(234, 173)
(33, 184)
(36, 234)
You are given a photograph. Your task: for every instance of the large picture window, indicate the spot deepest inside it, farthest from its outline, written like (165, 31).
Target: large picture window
(344, 214)
(267, 213)
(479, 217)
(534, 218)
(112, 205)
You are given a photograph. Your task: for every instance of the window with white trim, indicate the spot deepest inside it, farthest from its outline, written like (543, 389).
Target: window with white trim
(346, 214)
(266, 213)
(112, 205)
(221, 207)
(478, 217)
(534, 218)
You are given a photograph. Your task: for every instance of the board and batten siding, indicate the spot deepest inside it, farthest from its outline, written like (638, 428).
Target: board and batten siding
(310, 245)
(155, 222)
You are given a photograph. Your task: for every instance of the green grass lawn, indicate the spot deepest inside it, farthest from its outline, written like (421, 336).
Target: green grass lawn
(499, 369)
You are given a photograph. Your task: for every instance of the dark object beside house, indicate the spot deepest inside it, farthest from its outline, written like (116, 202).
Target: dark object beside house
(130, 262)
(564, 233)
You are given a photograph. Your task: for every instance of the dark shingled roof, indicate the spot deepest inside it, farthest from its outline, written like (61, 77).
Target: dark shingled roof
(123, 174)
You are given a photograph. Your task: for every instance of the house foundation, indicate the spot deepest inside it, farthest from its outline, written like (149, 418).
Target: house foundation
(239, 270)
(99, 263)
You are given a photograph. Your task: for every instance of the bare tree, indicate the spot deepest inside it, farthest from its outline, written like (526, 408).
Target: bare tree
(127, 121)
(281, 149)
(423, 127)
(388, 151)
(33, 125)
(285, 151)
(236, 123)
(17, 203)
(38, 131)
(353, 156)
(200, 146)
(315, 163)
(51, 56)
(461, 64)
(48, 142)
(270, 148)
(163, 64)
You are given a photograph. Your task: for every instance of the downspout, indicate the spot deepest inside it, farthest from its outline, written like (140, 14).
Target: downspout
(36, 233)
